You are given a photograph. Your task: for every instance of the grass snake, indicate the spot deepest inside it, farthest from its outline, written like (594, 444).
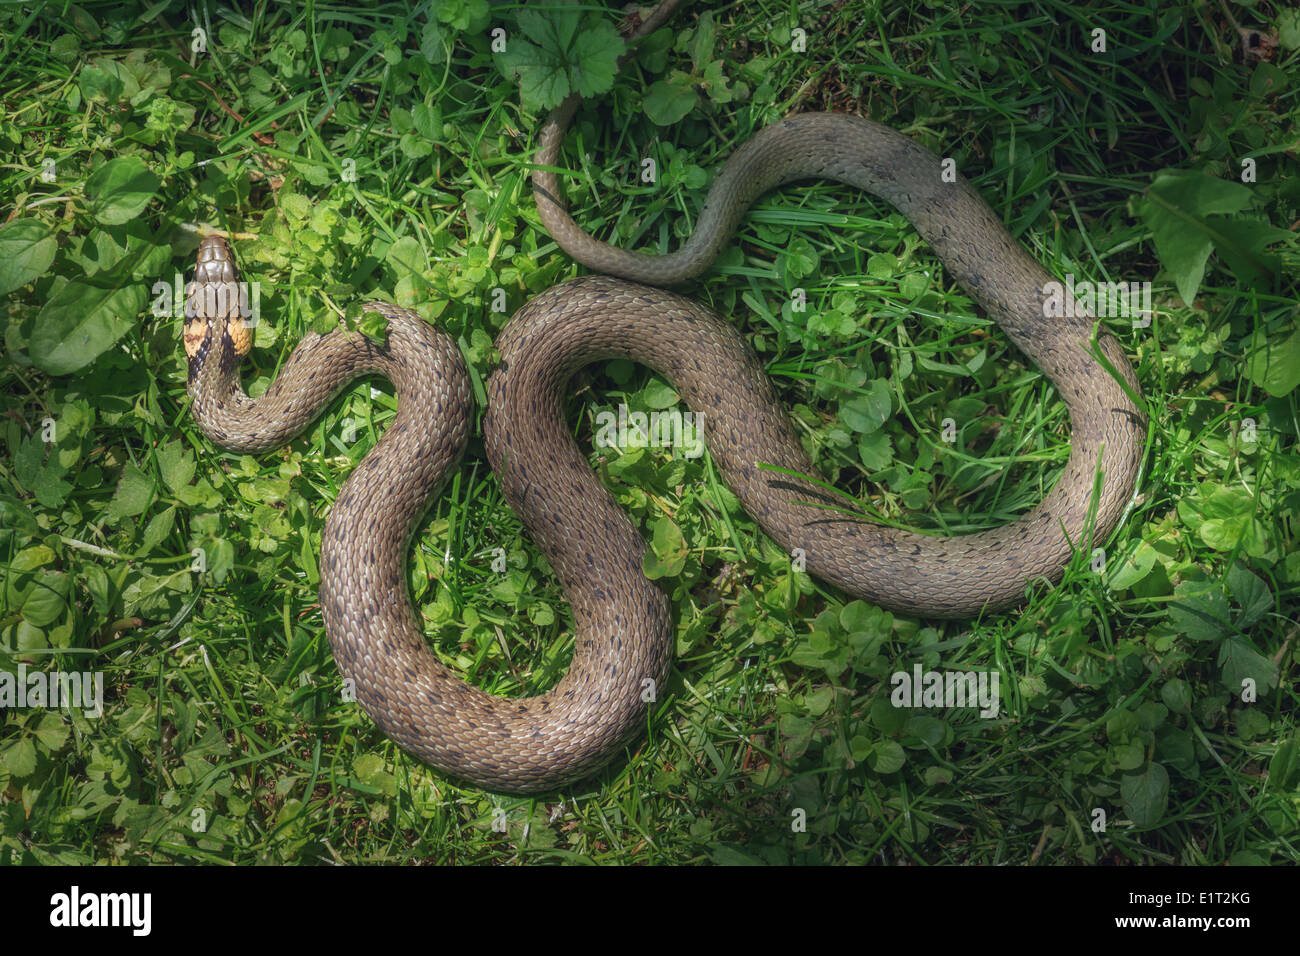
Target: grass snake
(622, 621)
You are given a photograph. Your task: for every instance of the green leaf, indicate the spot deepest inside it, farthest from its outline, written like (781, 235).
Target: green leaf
(1252, 723)
(718, 86)
(796, 735)
(434, 42)
(134, 492)
(15, 517)
(706, 33)
(21, 575)
(81, 321)
(1275, 365)
(1288, 28)
(819, 701)
(27, 248)
(1121, 726)
(799, 259)
(882, 265)
(105, 81)
(20, 757)
(1242, 244)
(1175, 209)
(1241, 662)
(667, 554)
(29, 461)
(859, 616)
(668, 102)
(221, 559)
(553, 31)
(929, 730)
(407, 257)
(96, 583)
(1177, 695)
(1177, 749)
(1201, 611)
(157, 529)
(51, 731)
(1222, 518)
(28, 559)
(1132, 567)
(543, 84)
(822, 648)
(887, 718)
(427, 120)
(51, 491)
(658, 395)
(1251, 593)
(369, 769)
(541, 614)
(29, 637)
(867, 412)
(460, 14)
(176, 465)
(48, 599)
(1129, 756)
(1146, 795)
(39, 474)
(414, 146)
(1284, 768)
(551, 58)
(887, 756)
(120, 189)
(367, 766)
(594, 62)
(876, 451)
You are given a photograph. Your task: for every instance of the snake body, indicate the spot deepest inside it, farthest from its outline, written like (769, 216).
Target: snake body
(622, 623)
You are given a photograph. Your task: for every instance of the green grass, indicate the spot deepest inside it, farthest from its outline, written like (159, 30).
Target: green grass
(224, 738)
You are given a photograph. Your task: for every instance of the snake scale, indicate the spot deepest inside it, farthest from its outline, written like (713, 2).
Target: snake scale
(622, 621)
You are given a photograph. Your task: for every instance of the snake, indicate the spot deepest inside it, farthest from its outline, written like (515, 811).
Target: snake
(622, 621)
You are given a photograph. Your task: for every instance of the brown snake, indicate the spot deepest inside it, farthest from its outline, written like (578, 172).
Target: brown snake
(622, 621)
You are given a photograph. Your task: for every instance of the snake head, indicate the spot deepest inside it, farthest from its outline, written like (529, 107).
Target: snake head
(216, 310)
